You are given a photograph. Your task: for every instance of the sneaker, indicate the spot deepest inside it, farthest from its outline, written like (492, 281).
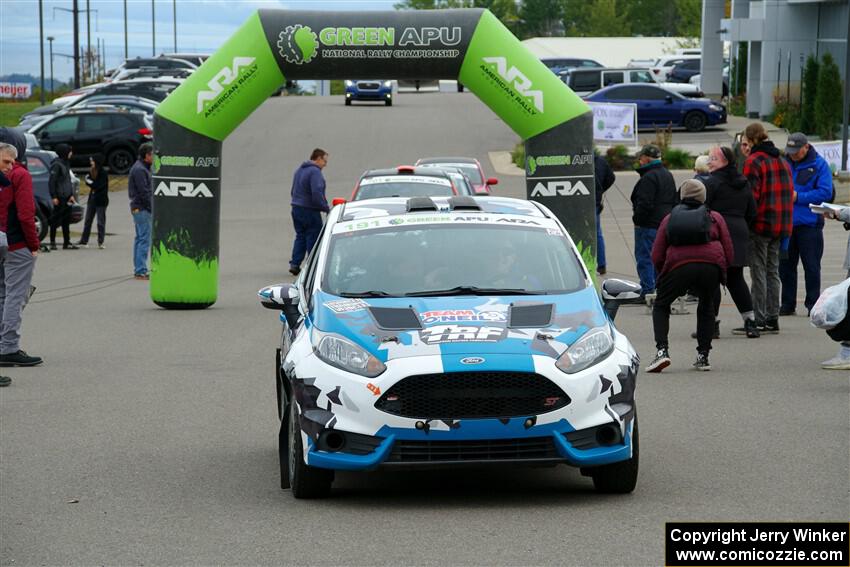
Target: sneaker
(840, 361)
(660, 362)
(701, 363)
(690, 298)
(770, 327)
(142, 276)
(601, 270)
(70, 246)
(5, 381)
(751, 329)
(101, 246)
(53, 246)
(294, 270)
(19, 358)
(82, 244)
(787, 312)
(716, 331)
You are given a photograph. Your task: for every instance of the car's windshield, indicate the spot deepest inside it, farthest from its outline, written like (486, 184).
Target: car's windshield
(403, 188)
(469, 169)
(454, 259)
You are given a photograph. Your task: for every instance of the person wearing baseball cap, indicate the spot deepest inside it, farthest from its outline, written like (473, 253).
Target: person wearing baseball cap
(653, 197)
(812, 185)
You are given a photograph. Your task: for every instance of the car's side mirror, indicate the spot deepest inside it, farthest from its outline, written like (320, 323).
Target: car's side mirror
(616, 292)
(44, 134)
(492, 181)
(669, 99)
(281, 297)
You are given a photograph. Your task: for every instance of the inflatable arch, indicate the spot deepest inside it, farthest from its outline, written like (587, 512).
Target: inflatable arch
(470, 45)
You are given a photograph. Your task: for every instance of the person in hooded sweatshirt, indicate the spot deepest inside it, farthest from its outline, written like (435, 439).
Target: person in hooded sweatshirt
(691, 252)
(812, 185)
(17, 220)
(62, 193)
(98, 182)
(308, 204)
(773, 190)
(729, 194)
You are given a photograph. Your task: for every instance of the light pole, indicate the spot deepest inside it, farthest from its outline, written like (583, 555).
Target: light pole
(41, 45)
(175, 25)
(76, 11)
(88, 41)
(125, 30)
(50, 39)
(153, 27)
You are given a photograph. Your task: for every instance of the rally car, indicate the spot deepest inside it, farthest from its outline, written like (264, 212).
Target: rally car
(400, 348)
(409, 181)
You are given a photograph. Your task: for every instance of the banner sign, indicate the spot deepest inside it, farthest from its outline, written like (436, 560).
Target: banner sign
(831, 152)
(614, 123)
(15, 90)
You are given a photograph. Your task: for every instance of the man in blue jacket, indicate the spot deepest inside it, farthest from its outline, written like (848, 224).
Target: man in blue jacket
(308, 204)
(812, 184)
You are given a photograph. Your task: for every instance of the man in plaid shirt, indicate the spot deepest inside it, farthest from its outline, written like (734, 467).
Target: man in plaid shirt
(773, 190)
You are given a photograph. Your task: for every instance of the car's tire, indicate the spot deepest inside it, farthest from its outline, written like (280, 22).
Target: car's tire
(389, 102)
(459, 87)
(618, 478)
(348, 102)
(41, 225)
(695, 121)
(277, 385)
(120, 160)
(283, 451)
(304, 480)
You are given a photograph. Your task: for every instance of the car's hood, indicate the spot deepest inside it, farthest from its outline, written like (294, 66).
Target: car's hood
(471, 325)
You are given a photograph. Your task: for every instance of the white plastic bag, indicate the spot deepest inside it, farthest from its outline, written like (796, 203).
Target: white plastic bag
(831, 307)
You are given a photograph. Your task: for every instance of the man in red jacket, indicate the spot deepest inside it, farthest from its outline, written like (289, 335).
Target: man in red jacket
(17, 219)
(691, 252)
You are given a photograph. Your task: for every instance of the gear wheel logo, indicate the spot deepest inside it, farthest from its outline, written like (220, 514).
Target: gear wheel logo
(298, 44)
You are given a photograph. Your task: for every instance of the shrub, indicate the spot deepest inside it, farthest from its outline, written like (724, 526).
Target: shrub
(738, 105)
(810, 85)
(786, 115)
(337, 87)
(828, 98)
(619, 158)
(738, 72)
(518, 155)
(677, 159)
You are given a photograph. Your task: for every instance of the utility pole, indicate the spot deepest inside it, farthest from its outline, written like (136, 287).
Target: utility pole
(41, 45)
(50, 39)
(153, 27)
(126, 55)
(88, 40)
(75, 10)
(175, 25)
(844, 167)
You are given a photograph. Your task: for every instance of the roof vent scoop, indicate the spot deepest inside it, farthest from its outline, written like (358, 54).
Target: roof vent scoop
(420, 204)
(464, 203)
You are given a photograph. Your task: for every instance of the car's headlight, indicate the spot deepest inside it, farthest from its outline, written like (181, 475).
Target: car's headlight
(594, 346)
(388, 84)
(715, 107)
(346, 355)
(349, 83)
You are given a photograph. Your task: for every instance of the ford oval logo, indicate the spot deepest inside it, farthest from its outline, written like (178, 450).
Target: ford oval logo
(471, 360)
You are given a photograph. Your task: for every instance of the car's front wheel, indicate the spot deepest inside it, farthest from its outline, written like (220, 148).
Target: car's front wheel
(347, 102)
(40, 223)
(618, 478)
(305, 481)
(120, 160)
(389, 102)
(695, 121)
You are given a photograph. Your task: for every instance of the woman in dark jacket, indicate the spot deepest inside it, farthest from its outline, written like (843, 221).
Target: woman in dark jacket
(98, 182)
(729, 194)
(62, 193)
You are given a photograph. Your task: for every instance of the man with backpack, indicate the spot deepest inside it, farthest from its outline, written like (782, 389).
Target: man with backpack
(812, 185)
(691, 252)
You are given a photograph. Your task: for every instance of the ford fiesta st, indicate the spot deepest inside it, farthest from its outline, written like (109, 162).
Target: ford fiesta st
(408, 181)
(401, 349)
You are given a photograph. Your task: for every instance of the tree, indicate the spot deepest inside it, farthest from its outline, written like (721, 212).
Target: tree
(505, 10)
(541, 18)
(653, 17)
(432, 4)
(828, 99)
(810, 85)
(689, 18)
(603, 20)
(575, 17)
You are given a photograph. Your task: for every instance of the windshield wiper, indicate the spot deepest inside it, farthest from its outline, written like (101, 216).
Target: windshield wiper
(366, 294)
(473, 290)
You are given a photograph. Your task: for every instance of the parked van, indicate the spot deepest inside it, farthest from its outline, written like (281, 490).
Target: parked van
(586, 81)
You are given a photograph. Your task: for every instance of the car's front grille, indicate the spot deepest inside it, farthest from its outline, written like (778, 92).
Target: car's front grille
(483, 450)
(466, 395)
(368, 86)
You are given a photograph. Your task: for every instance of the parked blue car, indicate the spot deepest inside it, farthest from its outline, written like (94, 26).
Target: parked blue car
(374, 90)
(657, 106)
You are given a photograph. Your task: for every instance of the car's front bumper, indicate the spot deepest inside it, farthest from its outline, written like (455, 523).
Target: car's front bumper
(334, 402)
(359, 94)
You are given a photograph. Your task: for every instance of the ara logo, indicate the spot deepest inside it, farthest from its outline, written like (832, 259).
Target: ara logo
(298, 44)
(223, 78)
(517, 79)
(564, 188)
(182, 189)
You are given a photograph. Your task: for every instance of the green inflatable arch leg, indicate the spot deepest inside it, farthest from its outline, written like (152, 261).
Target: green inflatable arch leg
(470, 45)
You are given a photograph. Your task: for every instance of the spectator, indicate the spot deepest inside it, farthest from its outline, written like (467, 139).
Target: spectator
(773, 191)
(812, 185)
(139, 191)
(692, 251)
(98, 182)
(4, 246)
(841, 361)
(729, 194)
(604, 177)
(17, 220)
(62, 192)
(652, 199)
(308, 204)
(701, 169)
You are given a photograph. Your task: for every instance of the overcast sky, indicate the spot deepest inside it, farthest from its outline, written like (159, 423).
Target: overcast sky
(202, 25)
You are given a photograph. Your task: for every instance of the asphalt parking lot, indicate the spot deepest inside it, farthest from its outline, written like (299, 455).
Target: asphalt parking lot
(150, 436)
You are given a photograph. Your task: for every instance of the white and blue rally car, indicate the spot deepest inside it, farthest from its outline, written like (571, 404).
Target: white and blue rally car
(449, 331)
